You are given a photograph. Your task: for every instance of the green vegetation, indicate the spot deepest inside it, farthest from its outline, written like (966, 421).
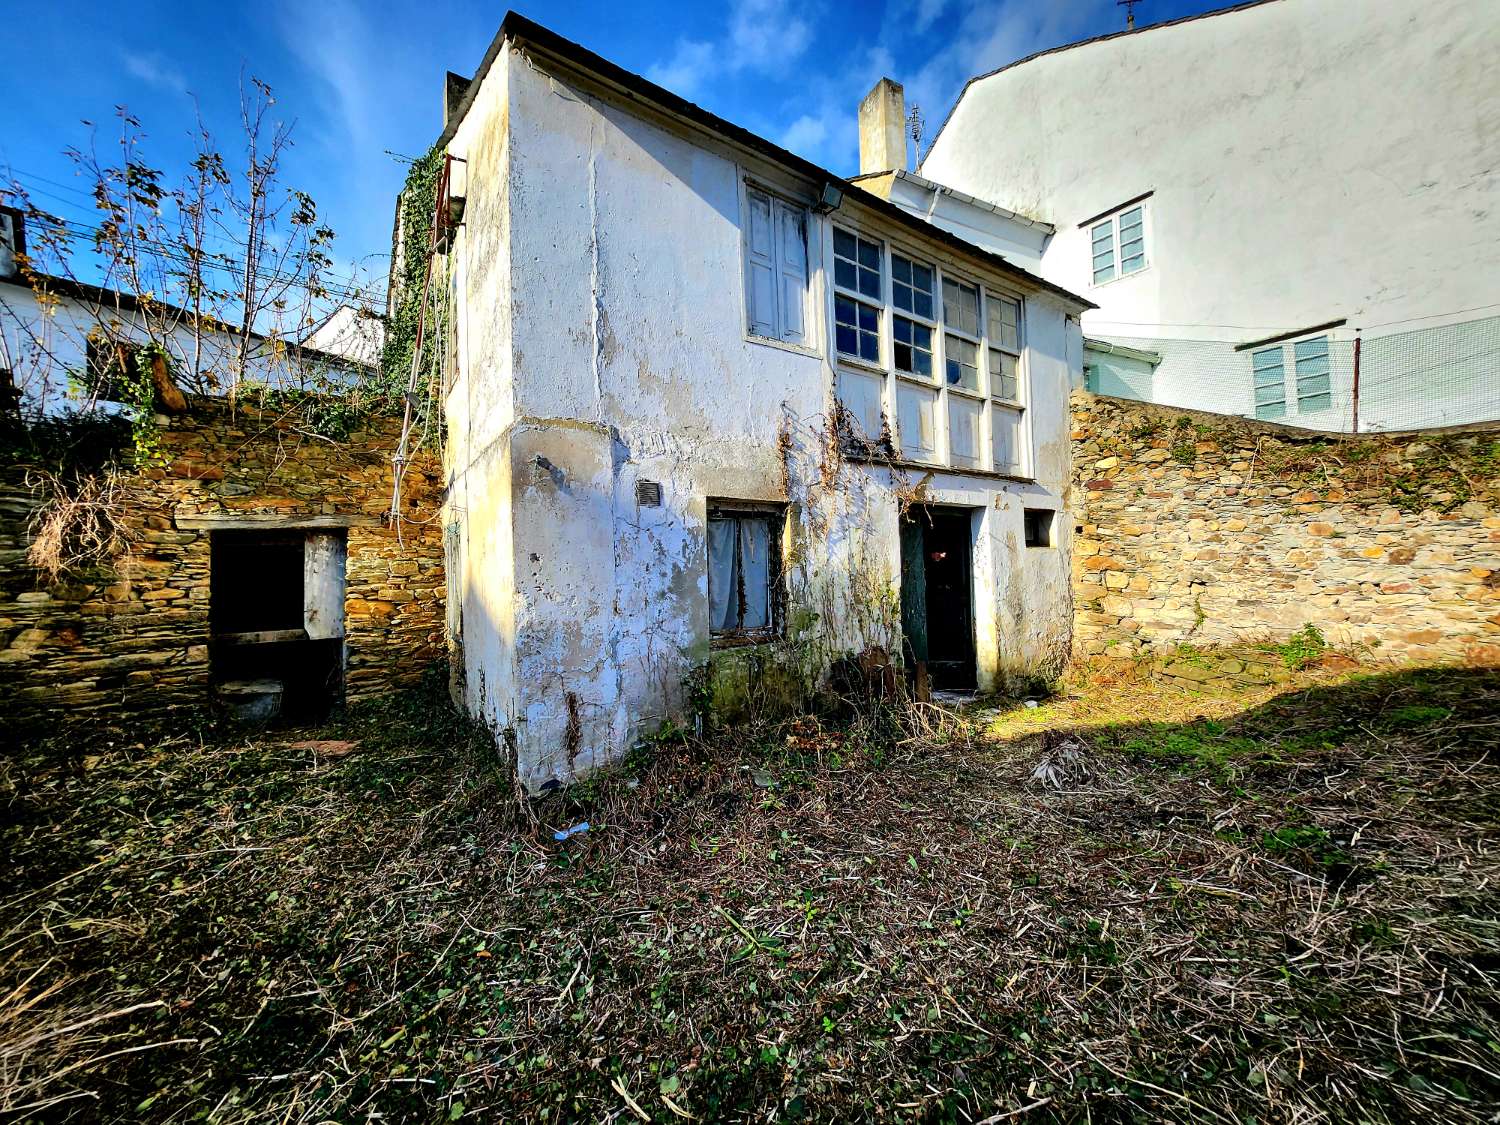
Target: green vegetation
(1304, 647)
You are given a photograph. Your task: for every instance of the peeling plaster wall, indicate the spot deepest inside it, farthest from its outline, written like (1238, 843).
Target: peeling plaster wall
(479, 410)
(628, 361)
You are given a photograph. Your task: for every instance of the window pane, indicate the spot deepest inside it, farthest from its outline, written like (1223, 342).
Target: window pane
(856, 329)
(723, 578)
(1003, 320)
(962, 361)
(1003, 375)
(911, 286)
(856, 263)
(861, 395)
(912, 346)
(964, 441)
(1132, 240)
(1104, 251)
(755, 568)
(1006, 426)
(960, 306)
(916, 415)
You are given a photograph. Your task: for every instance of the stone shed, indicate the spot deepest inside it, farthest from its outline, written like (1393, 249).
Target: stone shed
(258, 550)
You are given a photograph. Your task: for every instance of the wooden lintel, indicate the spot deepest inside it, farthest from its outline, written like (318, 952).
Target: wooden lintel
(261, 637)
(255, 521)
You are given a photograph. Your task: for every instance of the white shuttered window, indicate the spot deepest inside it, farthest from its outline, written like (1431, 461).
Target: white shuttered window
(775, 268)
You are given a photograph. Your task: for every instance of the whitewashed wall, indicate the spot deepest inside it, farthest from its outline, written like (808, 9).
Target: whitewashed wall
(601, 337)
(1310, 160)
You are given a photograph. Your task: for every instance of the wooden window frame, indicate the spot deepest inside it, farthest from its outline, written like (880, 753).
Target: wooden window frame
(775, 516)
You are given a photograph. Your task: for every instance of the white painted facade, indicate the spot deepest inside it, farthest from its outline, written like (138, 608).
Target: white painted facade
(601, 340)
(1301, 162)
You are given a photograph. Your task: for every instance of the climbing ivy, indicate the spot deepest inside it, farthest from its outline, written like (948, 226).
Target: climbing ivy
(418, 197)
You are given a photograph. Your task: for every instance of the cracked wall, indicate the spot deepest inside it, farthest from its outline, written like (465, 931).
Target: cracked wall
(621, 321)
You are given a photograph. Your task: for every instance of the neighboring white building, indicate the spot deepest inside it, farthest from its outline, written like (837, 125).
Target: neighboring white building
(60, 339)
(1241, 193)
(356, 334)
(696, 382)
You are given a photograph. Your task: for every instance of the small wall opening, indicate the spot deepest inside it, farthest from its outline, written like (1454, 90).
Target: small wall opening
(276, 622)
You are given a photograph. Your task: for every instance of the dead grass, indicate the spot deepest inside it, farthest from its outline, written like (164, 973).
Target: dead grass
(1284, 912)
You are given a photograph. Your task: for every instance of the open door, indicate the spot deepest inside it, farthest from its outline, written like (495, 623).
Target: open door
(937, 597)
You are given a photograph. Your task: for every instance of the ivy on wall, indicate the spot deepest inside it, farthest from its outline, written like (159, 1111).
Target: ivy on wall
(414, 230)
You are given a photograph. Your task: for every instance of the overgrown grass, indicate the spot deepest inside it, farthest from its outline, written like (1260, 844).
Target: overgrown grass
(1276, 913)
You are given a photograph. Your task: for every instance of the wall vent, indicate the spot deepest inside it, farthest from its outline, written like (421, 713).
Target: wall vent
(648, 493)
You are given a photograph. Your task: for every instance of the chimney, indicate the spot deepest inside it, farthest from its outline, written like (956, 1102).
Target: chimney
(882, 129)
(455, 86)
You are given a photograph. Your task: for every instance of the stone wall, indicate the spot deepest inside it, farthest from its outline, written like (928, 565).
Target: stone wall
(1203, 529)
(134, 638)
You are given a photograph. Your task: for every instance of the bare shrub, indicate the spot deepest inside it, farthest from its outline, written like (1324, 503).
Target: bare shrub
(81, 523)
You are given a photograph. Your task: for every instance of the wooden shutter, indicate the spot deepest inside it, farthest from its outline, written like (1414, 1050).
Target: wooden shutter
(791, 242)
(760, 265)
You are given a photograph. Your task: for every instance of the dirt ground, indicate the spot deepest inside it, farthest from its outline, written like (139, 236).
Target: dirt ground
(1124, 904)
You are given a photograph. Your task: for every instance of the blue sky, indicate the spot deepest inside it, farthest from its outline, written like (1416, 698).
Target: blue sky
(361, 78)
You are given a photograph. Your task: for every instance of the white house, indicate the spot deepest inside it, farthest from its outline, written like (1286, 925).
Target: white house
(61, 339)
(1244, 194)
(718, 419)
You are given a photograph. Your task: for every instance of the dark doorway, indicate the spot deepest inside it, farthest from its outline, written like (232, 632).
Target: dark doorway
(276, 619)
(937, 596)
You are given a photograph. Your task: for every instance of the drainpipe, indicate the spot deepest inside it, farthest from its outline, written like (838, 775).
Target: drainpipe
(1356, 381)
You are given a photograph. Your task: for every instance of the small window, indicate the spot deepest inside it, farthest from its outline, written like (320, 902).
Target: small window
(961, 306)
(911, 286)
(775, 268)
(1314, 392)
(856, 264)
(1118, 244)
(1003, 320)
(962, 363)
(1038, 523)
(913, 347)
(1270, 383)
(857, 329)
(744, 572)
(1006, 424)
(857, 282)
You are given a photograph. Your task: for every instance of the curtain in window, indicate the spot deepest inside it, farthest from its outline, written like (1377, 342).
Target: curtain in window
(755, 563)
(723, 577)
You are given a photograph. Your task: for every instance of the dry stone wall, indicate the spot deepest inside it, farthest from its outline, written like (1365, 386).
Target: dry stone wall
(134, 638)
(1204, 530)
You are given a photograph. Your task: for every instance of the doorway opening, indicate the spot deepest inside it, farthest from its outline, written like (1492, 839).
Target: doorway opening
(276, 622)
(937, 596)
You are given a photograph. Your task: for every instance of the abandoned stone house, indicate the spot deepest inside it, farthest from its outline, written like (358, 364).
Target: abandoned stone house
(718, 418)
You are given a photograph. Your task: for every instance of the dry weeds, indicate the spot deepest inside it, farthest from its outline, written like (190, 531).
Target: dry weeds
(1282, 914)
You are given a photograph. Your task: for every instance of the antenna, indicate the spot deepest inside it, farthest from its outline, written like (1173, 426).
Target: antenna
(915, 126)
(1129, 6)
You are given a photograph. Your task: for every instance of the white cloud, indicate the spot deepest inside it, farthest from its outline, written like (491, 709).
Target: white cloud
(154, 70)
(762, 37)
(684, 72)
(806, 136)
